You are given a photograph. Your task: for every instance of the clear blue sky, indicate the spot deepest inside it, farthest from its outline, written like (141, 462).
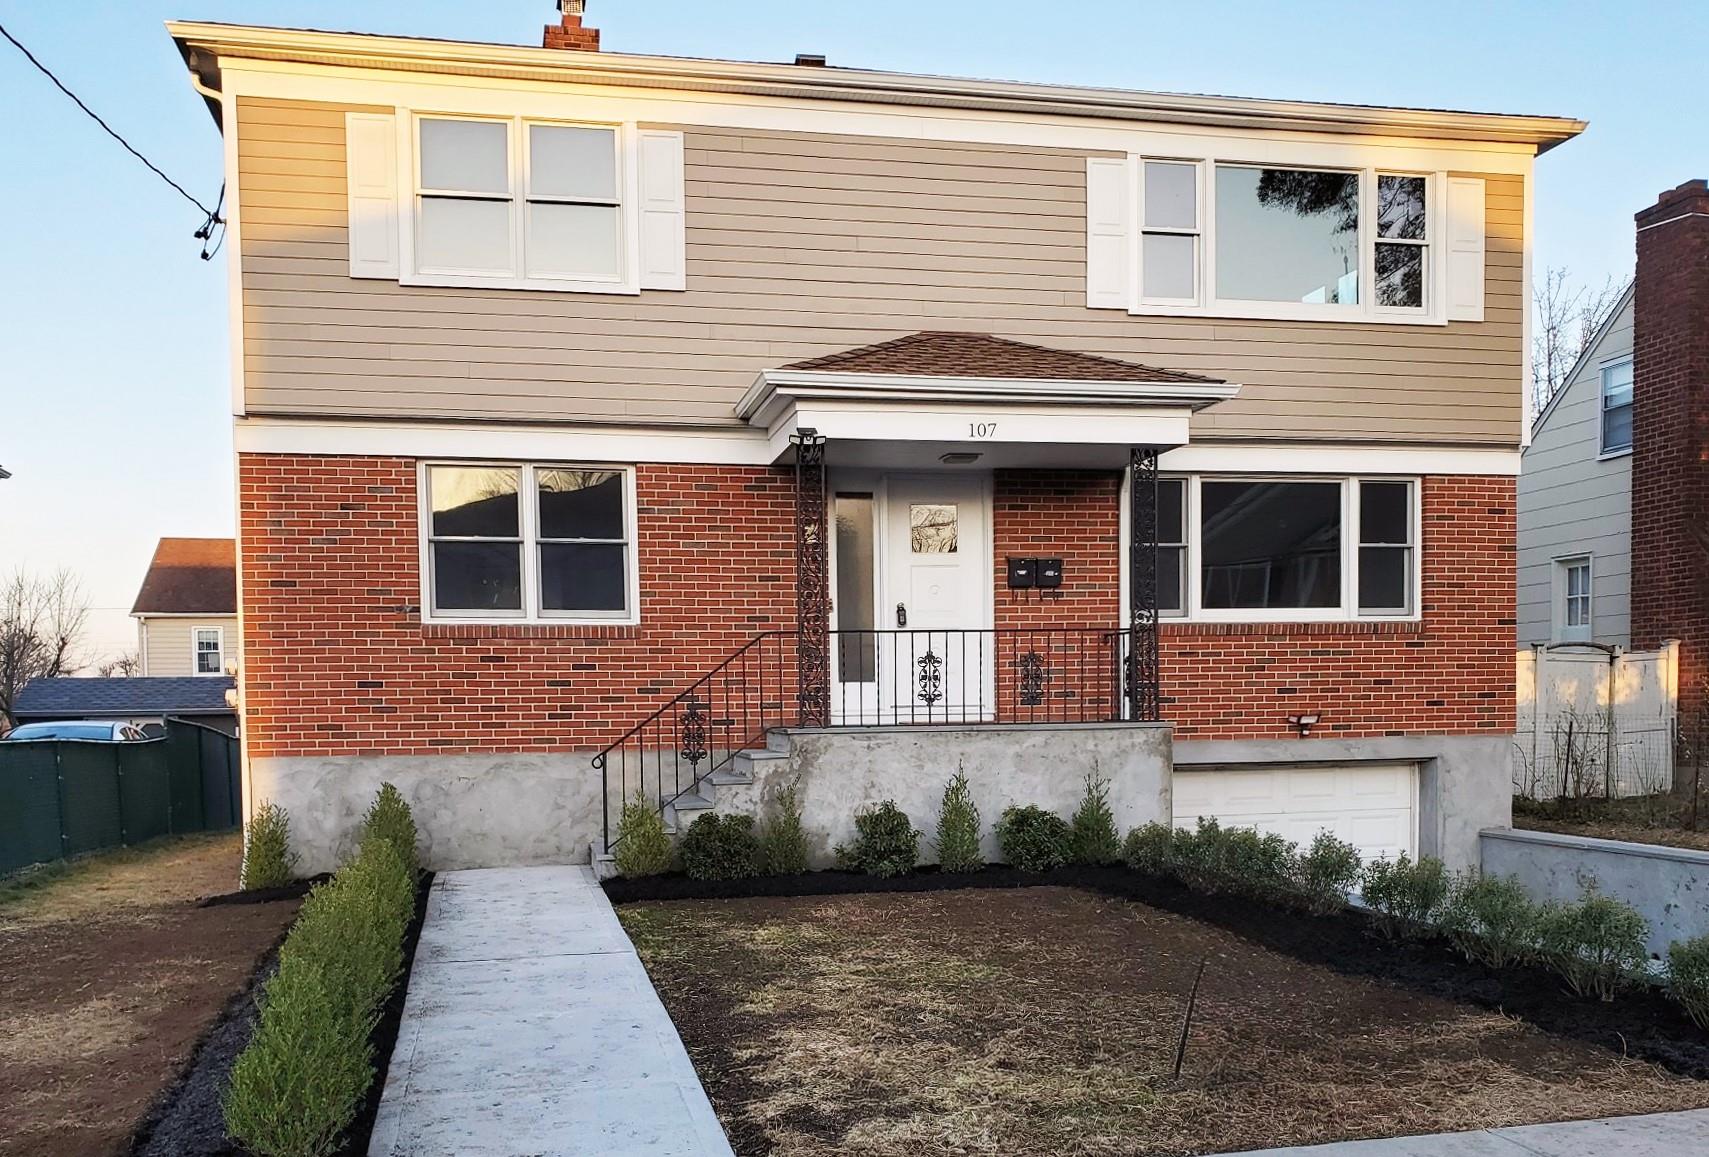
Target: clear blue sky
(113, 384)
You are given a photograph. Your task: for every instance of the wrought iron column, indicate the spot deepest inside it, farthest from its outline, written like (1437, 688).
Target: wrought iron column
(1143, 677)
(812, 583)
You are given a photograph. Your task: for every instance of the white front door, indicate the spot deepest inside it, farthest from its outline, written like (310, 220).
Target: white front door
(936, 598)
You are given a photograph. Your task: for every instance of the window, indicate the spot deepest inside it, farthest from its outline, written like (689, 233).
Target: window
(1287, 235)
(518, 202)
(210, 650)
(529, 542)
(1281, 549)
(1617, 407)
(1402, 251)
(857, 654)
(1573, 599)
(1170, 231)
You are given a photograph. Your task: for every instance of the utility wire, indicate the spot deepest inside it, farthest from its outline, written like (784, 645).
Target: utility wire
(213, 215)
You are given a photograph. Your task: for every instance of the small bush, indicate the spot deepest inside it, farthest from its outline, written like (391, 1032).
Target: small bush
(1491, 919)
(268, 861)
(1034, 840)
(1406, 896)
(1150, 849)
(885, 842)
(389, 819)
(1597, 944)
(643, 847)
(297, 1085)
(1254, 863)
(1327, 873)
(721, 847)
(783, 841)
(1093, 839)
(958, 828)
(1688, 977)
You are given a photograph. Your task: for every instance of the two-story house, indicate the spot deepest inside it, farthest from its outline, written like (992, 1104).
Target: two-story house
(610, 423)
(186, 610)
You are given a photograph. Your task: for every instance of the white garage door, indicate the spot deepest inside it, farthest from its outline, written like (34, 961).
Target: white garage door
(1371, 806)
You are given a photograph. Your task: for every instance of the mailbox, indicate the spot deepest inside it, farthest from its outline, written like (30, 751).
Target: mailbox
(1023, 573)
(1049, 572)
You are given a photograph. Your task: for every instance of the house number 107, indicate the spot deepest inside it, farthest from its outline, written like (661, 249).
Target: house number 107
(982, 429)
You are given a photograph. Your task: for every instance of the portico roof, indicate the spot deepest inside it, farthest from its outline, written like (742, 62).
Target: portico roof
(1031, 404)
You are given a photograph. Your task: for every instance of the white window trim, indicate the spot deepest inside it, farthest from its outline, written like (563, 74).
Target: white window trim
(196, 652)
(1603, 454)
(628, 280)
(1559, 632)
(527, 499)
(1348, 611)
(1208, 304)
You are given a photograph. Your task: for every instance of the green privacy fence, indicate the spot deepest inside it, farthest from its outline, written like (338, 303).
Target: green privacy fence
(66, 797)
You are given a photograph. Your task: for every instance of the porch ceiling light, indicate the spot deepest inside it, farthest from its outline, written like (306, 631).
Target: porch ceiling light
(959, 457)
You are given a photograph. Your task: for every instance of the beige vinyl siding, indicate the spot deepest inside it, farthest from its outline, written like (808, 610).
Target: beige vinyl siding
(1573, 502)
(800, 245)
(168, 647)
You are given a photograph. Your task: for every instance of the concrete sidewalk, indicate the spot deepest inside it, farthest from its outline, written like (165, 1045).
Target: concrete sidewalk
(530, 1027)
(1651, 1135)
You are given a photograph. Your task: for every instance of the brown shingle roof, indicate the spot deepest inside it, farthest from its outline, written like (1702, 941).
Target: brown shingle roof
(979, 355)
(190, 576)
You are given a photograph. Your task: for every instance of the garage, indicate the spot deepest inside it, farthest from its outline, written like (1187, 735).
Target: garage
(1373, 806)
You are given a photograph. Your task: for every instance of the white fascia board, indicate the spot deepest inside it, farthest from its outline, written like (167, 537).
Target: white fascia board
(772, 387)
(1068, 427)
(469, 61)
(581, 100)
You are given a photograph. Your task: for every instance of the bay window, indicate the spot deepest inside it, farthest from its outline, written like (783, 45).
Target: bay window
(1287, 549)
(518, 202)
(547, 542)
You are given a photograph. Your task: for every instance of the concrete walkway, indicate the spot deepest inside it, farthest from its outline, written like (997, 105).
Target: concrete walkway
(530, 1028)
(1651, 1135)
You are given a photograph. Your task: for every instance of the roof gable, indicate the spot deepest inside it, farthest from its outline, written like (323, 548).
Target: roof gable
(190, 576)
(1592, 353)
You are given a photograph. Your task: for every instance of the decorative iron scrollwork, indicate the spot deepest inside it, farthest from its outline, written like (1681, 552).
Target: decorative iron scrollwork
(812, 585)
(1032, 676)
(931, 678)
(1142, 667)
(694, 732)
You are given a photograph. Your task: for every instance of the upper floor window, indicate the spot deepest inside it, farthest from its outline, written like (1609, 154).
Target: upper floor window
(1280, 549)
(1617, 407)
(518, 202)
(209, 650)
(529, 542)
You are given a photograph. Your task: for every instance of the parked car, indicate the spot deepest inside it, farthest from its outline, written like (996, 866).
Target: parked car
(102, 731)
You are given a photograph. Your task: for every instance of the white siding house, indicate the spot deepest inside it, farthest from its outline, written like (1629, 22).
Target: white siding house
(1575, 500)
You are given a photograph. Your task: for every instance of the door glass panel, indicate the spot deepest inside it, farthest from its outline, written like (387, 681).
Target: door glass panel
(932, 528)
(857, 654)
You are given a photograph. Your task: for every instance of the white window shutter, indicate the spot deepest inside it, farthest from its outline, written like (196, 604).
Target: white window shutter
(371, 178)
(1107, 243)
(1465, 249)
(664, 257)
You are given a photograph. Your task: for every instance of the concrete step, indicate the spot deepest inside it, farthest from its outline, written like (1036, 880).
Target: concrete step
(758, 759)
(680, 812)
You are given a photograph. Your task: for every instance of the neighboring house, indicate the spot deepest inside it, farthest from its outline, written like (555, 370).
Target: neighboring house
(600, 416)
(186, 611)
(1575, 500)
(148, 703)
(1614, 493)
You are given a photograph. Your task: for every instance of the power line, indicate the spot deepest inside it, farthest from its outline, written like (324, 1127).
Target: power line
(214, 220)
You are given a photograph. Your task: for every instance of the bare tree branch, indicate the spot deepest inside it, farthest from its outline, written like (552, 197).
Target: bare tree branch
(1567, 318)
(123, 666)
(42, 621)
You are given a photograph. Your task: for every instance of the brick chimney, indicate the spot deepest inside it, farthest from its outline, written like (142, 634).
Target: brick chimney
(1670, 436)
(570, 33)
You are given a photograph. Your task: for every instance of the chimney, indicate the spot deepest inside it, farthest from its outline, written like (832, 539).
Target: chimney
(570, 33)
(1670, 436)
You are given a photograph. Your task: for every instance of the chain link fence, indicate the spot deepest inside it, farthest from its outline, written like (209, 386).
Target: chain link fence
(62, 798)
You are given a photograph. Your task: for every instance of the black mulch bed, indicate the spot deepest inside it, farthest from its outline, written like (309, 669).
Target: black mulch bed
(1640, 1023)
(186, 1121)
(295, 890)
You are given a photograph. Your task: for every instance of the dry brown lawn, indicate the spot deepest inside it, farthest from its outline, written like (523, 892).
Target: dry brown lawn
(1045, 1021)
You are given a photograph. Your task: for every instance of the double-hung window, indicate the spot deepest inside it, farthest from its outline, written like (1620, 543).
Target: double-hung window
(546, 542)
(518, 202)
(1617, 407)
(1402, 256)
(209, 650)
(1573, 599)
(1287, 549)
(1169, 238)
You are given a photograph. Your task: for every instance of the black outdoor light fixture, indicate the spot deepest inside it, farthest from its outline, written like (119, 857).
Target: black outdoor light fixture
(1304, 723)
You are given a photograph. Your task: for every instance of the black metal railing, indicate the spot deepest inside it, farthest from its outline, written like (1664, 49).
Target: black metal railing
(900, 677)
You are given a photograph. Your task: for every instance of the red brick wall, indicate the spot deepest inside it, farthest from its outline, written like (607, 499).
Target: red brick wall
(337, 661)
(333, 663)
(1670, 433)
